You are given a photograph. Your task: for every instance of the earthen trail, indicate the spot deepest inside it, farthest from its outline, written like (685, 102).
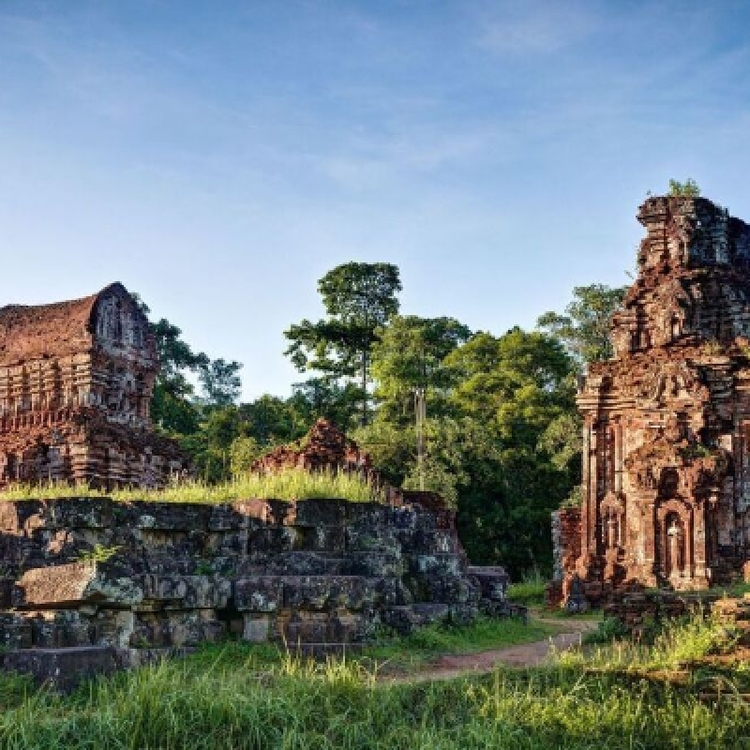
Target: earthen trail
(522, 655)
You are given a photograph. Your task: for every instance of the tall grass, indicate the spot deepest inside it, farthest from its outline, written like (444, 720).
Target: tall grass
(237, 701)
(289, 484)
(677, 643)
(530, 590)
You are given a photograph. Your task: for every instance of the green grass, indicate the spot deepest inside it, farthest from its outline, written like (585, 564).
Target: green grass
(675, 644)
(530, 591)
(290, 484)
(242, 697)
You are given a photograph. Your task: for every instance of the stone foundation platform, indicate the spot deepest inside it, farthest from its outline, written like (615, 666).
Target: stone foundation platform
(89, 585)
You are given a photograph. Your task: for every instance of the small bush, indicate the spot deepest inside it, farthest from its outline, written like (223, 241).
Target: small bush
(610, 629)
(531, 591)
(687, 189)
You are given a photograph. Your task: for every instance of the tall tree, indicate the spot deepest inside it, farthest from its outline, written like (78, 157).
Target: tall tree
(358, 298)
(220, 382)
(410, 359)
(173, 406)
(584, 328)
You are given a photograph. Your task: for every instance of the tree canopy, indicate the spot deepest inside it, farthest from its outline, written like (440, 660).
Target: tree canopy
(359, 298)
(584, 328)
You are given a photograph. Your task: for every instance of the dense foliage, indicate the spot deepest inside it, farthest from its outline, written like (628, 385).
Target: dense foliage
(488, 421)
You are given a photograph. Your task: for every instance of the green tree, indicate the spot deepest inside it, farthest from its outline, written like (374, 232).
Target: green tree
(584, 328)
(488, 448)
(271, 420)
(687, 189)
(210, 446)
(519, 382)
(173, 406)
(409, 358)
(220, 382)
(358, 298)
(513, 387)
(325, 397)
(244, 451)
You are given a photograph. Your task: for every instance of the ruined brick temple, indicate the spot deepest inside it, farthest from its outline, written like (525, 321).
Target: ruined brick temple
(75, 383)
(666, 456)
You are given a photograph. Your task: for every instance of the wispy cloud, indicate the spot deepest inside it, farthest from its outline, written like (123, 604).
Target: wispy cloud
(524, 28)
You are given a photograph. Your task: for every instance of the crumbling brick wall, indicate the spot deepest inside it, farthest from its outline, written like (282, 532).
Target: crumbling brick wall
(76, 380)
(667, 420)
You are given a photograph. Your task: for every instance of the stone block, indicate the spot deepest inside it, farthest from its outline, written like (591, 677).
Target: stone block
(271, 541)
(175, 628)
(367, 515)
(79, 513)
(352, 593)
(62, 668)
(377, 564)
(435, 564)
(299, 563)
(370, 539)
(77, 582)
(320, 512)
(188, 592)
(320, 539)
(259, 594)
(61, 629)
(405, 619)
(304, 627)
(256, 628)
(158, 516)
(493, 582)
(282, 512)
(404, 517)
(452, 589)
(15, 631)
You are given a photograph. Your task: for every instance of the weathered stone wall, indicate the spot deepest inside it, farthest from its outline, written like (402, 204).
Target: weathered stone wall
(76, 379)
(666, 482)
(641, 612)
(311, 572)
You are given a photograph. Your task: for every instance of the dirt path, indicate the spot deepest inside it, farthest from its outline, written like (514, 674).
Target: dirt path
(522, 655)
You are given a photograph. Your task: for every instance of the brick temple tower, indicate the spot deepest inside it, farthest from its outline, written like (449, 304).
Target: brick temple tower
(666, 457)
(75, 383)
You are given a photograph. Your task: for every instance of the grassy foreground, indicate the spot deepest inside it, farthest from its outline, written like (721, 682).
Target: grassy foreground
(289, 484)
(243, 697)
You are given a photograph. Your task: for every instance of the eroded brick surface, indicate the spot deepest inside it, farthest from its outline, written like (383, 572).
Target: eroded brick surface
(667, 420)
(75, 383)
(324, 447)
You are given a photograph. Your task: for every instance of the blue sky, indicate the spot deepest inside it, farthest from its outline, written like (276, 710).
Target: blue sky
(220, 157)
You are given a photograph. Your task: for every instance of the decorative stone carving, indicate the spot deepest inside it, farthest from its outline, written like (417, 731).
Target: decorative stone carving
(75, 383)
(666, 477)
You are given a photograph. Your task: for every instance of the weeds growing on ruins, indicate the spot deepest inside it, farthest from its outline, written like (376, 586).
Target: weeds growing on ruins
(288, 484)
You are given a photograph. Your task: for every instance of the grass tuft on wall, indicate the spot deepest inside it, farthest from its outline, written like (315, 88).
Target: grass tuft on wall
(289, 484)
